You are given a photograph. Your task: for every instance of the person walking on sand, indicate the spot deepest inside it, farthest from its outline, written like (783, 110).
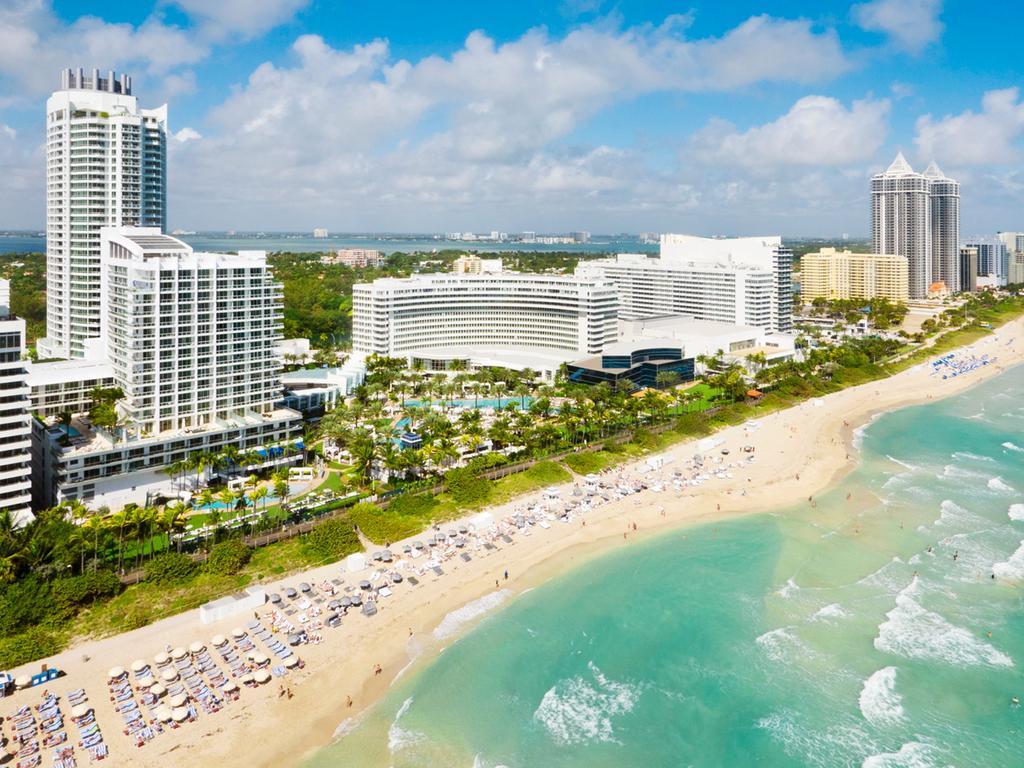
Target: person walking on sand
(506, 574)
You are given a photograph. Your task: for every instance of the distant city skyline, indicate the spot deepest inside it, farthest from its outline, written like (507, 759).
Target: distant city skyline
(740, 118)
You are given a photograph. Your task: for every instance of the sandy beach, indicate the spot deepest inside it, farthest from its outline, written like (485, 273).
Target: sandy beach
(799, 453)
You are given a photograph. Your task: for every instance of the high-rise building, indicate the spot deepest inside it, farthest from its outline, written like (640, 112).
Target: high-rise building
(917, 215)
(969, 268)
(190, 339)
(944, 223)
(106, 165)
(15, 420)
(742, 281)
(993, 259)
(832, 274)
(1015, 272)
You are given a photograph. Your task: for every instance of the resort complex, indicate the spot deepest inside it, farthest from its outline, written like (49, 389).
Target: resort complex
(244, 489)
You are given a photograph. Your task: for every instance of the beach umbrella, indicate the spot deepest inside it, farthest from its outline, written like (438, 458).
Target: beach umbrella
(334, 605)
(169, 675)
(294, 639)
(304, 587)
(22, 681)
(157, 689)
(259, 659)
(138, 665)
(246, 678)
(275, 598)
(80, 710)
(261, 676)
(364, 584)
(291, 661)
(163, 714)
(218, 641)
(229, 686)
(179, 714)
(161, 659)
(177, 701)
(115, 673)
(179, 653)
(290, 592)
(238, 632)
(196, 647)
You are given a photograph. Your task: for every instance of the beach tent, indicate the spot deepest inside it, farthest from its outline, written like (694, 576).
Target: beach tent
(355, 562)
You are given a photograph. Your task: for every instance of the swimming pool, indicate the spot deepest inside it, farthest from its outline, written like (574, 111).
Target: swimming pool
(482, 402)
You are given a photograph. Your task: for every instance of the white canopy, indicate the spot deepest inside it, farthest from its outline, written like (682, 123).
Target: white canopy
(481, 521)
(355, 562)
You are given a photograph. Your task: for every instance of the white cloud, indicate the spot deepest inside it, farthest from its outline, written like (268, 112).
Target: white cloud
(187, 134)
(816, 131)
(245, 18)
(992, 136)
(910, 24)
(7, 131)
(35, 46)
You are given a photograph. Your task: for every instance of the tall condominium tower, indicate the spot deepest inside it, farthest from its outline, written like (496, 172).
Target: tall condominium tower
(15, 420)
(106, 163)
(944, 223)
(917, 215)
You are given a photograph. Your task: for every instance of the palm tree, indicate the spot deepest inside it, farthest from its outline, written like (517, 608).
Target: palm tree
(173, 521)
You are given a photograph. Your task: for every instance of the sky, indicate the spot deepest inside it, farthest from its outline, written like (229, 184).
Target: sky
(630, 116)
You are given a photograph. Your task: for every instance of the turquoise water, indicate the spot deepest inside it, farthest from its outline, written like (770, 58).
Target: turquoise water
(853, 633)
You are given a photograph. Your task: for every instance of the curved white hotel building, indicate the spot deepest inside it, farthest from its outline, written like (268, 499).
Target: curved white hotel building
(507, 319)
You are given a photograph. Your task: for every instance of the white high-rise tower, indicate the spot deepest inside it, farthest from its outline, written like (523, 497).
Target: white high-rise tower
(944, 223)
(106, 165)
(917, 215)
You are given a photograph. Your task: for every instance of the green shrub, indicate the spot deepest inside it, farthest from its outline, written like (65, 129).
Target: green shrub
(24, 604)
(228, 557)
(27, 646)
(466, 487)
(414, 505)
(171, 568)
(383, 526)
(585, 463)
(333, 539)
(70, 594)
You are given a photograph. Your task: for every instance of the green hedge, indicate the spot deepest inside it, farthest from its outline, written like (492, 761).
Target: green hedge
(171, 568)
(228, 557)
(383, 526)
(466, 487)
(333, 539)
(27, 646)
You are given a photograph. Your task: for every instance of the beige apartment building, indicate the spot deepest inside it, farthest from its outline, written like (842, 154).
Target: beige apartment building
(832, 274)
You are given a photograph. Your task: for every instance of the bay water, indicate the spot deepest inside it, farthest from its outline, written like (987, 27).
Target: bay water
(881, 626)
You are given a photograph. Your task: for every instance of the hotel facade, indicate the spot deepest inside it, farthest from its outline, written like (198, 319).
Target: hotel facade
(832, 274)
(15, 421)
(509, 319)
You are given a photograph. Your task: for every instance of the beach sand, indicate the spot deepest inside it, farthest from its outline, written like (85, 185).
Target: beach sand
(800, 452)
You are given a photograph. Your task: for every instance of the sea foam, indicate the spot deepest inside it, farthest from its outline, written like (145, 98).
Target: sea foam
(1011, 569)
(455, 620)
(997, 484)
(1011, 447)
(879, 702)
(580, 709)
(917, 633)
(398, 737)
(1016, 512)
(830, 612)
(913, 754)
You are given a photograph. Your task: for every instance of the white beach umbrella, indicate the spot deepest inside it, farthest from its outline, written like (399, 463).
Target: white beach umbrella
(246, 678)
(291, 661)
(196, 647)
(261, 676)
(229, 686)
(161, 659)
(163, 714)
(80, 710)
(179, 714)
(177, 701)
(157, 689)
(22, 681)
(179, 653)
(115, 673)
(218, 641)
(170, 675)
(138, 665)
(259, 659)
(238, 632)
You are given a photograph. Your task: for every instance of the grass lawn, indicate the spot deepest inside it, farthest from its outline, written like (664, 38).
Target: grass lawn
(540, 475)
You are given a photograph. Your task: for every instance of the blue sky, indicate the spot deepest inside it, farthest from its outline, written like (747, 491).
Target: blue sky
(703, 117)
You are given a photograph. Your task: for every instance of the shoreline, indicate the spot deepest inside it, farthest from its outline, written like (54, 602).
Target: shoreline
(801, 451)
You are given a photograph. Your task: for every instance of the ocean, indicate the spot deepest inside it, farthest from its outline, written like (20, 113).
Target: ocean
(881, 630)
(217, 242)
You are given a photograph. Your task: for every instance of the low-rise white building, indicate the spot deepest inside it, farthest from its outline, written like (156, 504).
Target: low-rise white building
(64, 386)
(508, 319)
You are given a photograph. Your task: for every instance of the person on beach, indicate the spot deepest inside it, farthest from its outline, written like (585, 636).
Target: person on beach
(506, 574)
